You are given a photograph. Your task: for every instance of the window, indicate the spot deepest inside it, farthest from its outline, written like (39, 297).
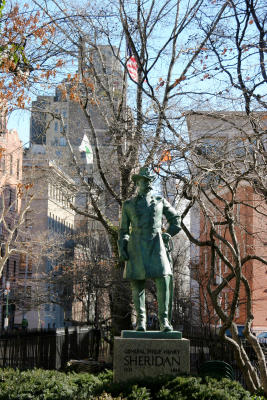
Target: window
(62, 141)
(3, 163)
(14, 268)
(50, 221)
(18, 169)
(11, 164)
(237, 212)
(2, 249)
(56, 126)
(237, 311)
(240, 148)
(205, 255)
(7, 269)
(209, 149)
(25, 265)
(226, 302)
(10, 197)
(226, 255)
(28, 221)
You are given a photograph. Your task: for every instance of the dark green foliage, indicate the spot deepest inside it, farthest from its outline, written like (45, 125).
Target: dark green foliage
(46, 385)
(53, 385)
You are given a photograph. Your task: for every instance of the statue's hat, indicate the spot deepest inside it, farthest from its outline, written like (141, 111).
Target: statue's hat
(143, 173)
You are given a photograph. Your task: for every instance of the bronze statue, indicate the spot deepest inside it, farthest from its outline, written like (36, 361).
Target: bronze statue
(146, 249)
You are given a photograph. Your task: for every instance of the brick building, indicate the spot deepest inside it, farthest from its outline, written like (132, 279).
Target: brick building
(11, 153)
(230, 131)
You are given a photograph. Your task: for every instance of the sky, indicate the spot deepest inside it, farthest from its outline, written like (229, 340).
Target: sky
(20, 120)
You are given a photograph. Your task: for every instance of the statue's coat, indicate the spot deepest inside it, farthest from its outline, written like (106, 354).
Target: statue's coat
(141, 226)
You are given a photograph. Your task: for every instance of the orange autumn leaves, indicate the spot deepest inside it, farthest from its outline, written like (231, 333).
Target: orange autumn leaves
(20, 29)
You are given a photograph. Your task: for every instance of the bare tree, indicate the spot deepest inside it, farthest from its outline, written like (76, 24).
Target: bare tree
(133, 116)
(224, 164)
(182, 71)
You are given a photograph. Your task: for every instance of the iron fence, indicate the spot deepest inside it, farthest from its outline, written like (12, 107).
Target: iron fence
(52, 349)
(48, 349)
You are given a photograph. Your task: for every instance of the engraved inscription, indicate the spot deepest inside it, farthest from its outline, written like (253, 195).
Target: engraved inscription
(151, 358)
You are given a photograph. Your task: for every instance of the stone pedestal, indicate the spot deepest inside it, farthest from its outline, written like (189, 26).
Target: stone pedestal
(141, 356)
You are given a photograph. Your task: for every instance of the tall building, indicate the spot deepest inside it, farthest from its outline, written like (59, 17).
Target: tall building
(66, 114)
(54, 119)
(10, 207)
(221, 139)
(49, 227)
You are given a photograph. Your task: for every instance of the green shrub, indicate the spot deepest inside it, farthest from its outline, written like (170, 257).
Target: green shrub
(36, 384)
(139, 393)
(53, 385)
(192, 388)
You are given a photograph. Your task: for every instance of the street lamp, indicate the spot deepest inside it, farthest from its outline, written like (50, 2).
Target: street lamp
(6, 292)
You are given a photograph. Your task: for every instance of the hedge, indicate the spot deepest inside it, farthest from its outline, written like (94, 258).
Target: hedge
(53, 385)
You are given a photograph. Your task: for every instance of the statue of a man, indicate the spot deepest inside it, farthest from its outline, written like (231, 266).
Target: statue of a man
(146, 249)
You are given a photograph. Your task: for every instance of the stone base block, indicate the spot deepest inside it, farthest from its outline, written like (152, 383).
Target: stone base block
(141, 358)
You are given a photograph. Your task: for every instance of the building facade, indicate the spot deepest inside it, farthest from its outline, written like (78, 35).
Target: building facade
(49, 229)
(11, 153)
(222, 141)
(55, 120)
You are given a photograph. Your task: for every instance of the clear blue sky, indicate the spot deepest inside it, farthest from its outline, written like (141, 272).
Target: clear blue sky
(20, 120)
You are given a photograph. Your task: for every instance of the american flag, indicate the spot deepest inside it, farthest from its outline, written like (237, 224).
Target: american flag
(132, 64)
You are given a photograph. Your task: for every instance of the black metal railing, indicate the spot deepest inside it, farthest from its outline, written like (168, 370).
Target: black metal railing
(48, 349)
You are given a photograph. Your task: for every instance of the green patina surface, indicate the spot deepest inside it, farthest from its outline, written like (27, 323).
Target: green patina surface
(146, 249)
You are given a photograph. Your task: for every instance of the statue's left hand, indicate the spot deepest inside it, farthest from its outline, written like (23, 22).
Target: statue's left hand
(166, 237)
(167, 240)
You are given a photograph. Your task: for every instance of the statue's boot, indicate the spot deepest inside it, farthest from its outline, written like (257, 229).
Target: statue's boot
(164, 295)
(138, 291)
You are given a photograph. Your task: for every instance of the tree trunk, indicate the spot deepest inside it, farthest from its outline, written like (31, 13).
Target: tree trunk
(120, 302)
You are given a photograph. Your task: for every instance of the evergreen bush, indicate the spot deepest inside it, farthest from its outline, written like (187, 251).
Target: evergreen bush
(54, 385)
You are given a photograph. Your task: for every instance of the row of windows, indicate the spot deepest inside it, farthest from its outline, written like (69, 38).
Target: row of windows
(7, 165)
(11, 201)
(63, 112)
(58, 127)
(10, 271)
(59, 141)
(223, 301)
(59, 225)
(56, 194)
